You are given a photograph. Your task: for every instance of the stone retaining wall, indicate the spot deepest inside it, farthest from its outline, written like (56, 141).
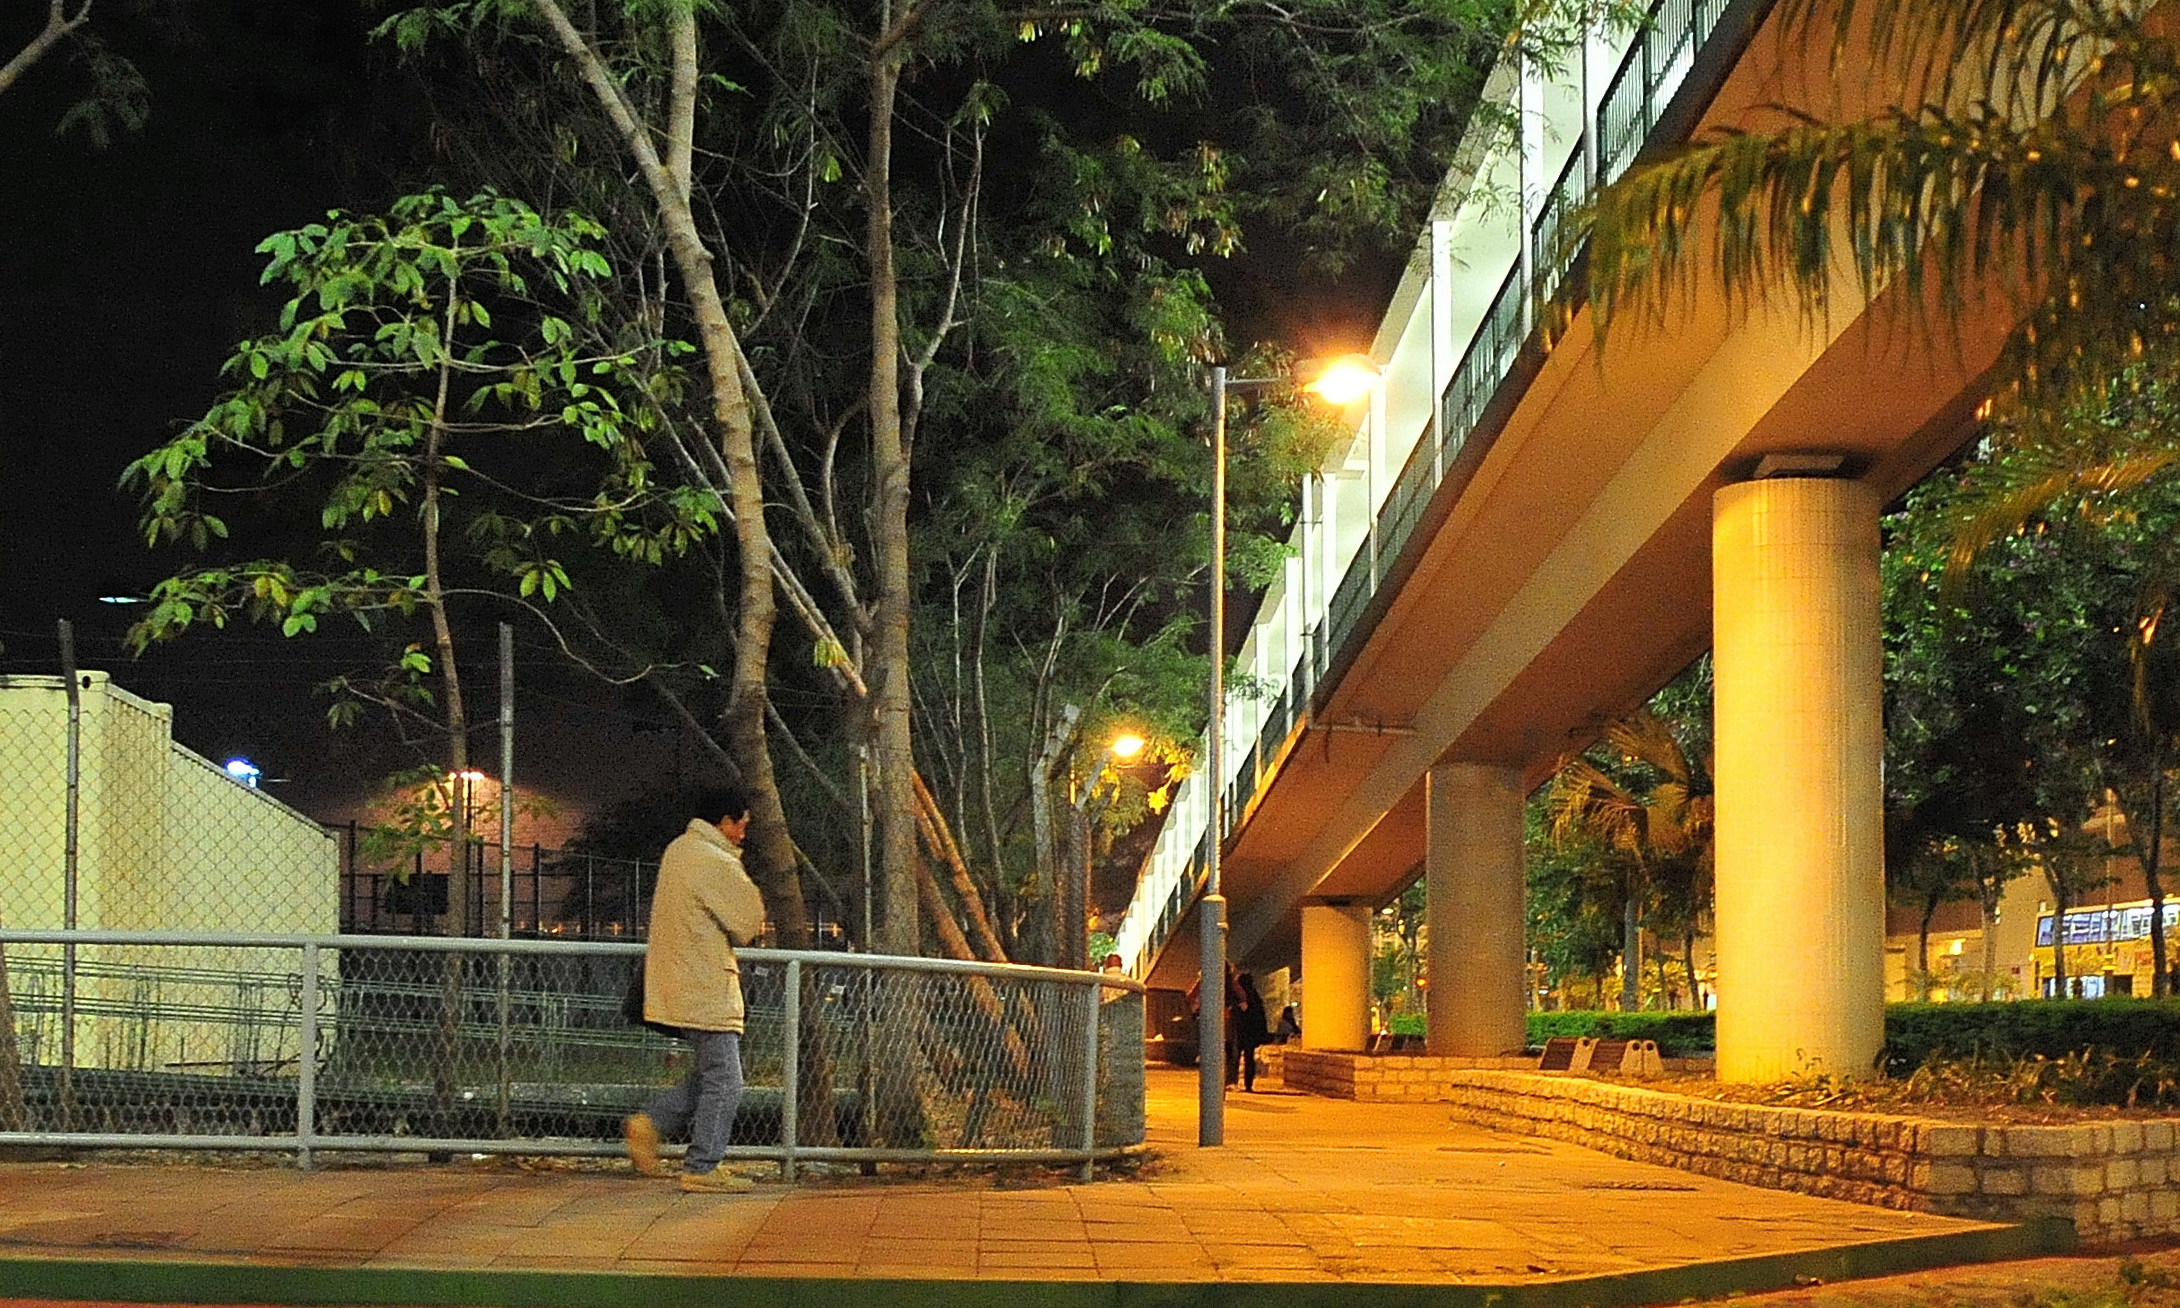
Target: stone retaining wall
(2115, 1180)
(1382, 1078)
(1399, 1078)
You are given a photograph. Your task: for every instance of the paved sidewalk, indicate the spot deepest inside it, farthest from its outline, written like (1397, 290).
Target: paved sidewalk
(1308, 1192)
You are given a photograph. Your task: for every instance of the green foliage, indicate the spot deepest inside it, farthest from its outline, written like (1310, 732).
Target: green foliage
(2078, 1079)
(2050, 1028)
(2128, 1040)
(1574, 905)
(116, 98)
(2001, 172)
(425, 391)
(1630, 821)
(1677, 1034)
(1397, 963)
(1060, 185)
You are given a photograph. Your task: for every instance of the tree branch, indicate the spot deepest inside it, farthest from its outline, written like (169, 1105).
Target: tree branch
(59, 25)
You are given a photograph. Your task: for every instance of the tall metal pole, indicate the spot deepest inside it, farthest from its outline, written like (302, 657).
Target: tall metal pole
(1211, 983)
(507, 867)
(862, 805)
(865, 1081)
(507, 780)
(72, 819)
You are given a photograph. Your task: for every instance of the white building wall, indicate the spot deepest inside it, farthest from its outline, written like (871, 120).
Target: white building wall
(167, 842)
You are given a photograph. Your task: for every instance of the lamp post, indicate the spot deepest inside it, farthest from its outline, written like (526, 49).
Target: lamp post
(1073, 883)
(1341, 382)
(1122, 750)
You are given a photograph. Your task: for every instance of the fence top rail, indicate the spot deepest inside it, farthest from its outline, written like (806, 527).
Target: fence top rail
(493, 945)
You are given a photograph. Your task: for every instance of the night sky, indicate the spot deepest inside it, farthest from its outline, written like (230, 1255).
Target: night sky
(126, 276)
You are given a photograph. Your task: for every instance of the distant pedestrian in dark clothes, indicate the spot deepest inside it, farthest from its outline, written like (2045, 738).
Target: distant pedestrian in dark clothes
(1246, 1028)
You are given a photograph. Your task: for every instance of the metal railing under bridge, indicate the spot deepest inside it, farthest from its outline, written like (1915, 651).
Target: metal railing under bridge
(311, 1043)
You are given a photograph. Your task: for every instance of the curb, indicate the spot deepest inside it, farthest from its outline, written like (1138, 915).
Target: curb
(144, 1281)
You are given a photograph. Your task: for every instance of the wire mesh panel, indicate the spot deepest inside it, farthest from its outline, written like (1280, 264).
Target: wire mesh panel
(169, 1040)
(937, 1061)
(481, 1046)
(391, 1043)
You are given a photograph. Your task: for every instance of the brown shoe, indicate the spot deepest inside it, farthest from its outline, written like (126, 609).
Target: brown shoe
(715, 1182)
(641, 1135)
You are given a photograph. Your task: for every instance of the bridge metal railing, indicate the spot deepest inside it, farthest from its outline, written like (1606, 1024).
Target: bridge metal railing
(1544, 281)
(309, 1043)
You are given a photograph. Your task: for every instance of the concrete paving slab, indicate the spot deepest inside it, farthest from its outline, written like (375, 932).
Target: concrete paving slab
(1338, 1203)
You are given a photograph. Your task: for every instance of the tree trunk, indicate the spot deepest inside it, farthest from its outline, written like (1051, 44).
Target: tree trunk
(895, 800)
(1688, 955)
(770, 850)
(987, 806)
(2059, 906)
(1067, 905)
(1922, 943)
(941, 843)
(1043, 928)
(1987, 894)
(447, 1050)
(1631, 955)
(2150, 851)
(442, 631)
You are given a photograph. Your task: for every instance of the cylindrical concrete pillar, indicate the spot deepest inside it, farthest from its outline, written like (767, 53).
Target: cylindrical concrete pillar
(1473, 866)
(1800, 909)
(1335, 976)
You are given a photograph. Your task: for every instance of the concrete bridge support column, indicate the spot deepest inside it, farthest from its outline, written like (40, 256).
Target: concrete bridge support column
(1335, 976)
(1478, 958)
(1800, 750)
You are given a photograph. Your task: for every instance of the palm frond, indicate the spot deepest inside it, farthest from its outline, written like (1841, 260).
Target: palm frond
(2027, 163)
(2010, 505)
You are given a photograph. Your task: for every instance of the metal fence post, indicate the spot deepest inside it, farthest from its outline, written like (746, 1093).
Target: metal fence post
(790, 1068)
(306, 1060)
(1096, 997)
(69, 854)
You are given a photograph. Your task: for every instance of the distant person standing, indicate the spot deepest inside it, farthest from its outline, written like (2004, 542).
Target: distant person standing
(1249, 1028)
(703, 906)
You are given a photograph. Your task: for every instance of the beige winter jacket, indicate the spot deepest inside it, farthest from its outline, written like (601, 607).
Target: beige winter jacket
(704, 904)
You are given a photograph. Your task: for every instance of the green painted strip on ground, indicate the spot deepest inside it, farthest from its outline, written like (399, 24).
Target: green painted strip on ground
(156, 1281)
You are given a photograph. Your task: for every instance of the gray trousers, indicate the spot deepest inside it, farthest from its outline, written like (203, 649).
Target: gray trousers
(702, 1107)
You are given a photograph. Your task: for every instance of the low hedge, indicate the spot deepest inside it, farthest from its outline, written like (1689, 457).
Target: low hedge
(1915, 1032)
(1678, 1034)
(2130, 1028)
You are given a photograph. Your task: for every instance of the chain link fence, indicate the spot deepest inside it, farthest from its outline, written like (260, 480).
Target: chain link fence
(132, 1015)
(311, 1043)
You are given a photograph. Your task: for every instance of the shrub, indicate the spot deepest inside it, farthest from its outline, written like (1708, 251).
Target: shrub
(1677, 1034)
(2050, 1028)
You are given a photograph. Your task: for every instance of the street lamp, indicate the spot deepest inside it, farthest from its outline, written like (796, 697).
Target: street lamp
(1342, 381)
(1083, 813)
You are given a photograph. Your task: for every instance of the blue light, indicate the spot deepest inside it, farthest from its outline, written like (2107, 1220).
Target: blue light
(244, 771)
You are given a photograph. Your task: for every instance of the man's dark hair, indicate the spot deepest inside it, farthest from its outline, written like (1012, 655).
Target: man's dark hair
(716, 802)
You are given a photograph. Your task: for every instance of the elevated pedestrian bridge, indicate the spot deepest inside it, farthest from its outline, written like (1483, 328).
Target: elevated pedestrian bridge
(1518, 544)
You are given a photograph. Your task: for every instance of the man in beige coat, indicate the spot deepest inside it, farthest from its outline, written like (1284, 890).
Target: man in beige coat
(703, 906)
